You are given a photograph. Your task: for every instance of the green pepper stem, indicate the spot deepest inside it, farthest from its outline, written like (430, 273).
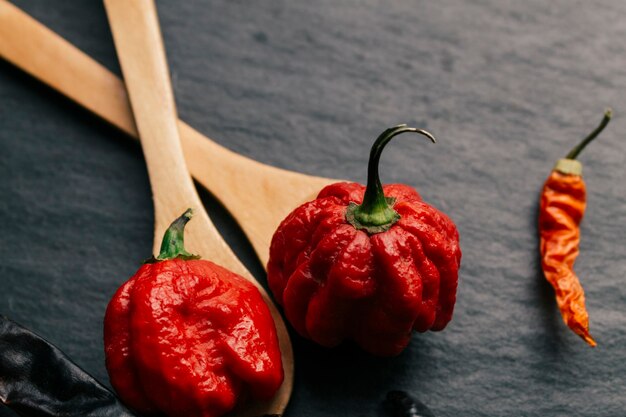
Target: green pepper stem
(573, 154)
(173, 244)
(376, 214)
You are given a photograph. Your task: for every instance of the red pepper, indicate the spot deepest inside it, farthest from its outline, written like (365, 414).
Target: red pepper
(561, 210)
(186, 337)
(367, 264)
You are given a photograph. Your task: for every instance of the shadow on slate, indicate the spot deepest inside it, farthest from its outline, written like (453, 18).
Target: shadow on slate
(552, 322)
(76, 111)
(232, 234)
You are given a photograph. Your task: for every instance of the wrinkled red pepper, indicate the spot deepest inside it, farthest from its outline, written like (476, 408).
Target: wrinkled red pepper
(186, 337)
(561, 209)
(368, 264)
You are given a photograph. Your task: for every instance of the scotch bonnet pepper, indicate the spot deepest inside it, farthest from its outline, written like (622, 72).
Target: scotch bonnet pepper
(370, 264)
(186, 337)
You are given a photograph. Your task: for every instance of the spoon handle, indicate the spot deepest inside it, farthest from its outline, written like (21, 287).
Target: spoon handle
(140, 50)
(141, 54)
(45, 55)
(258, 196)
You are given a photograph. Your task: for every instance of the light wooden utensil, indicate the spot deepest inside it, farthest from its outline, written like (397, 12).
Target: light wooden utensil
(258, 196)
(140, 50)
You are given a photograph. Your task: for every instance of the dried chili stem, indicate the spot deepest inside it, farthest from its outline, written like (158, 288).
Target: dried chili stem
(573, 154)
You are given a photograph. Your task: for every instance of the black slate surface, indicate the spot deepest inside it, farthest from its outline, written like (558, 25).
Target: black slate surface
(507, 87)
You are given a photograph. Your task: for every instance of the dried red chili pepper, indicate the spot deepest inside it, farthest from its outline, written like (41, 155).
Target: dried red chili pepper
(186, 337)
(367, 264)
(561, 210)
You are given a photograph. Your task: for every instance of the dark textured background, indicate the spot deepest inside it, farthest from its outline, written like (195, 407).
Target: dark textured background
(506, 86)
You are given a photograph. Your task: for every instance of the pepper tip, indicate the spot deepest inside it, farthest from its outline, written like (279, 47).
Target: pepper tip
(590, 341)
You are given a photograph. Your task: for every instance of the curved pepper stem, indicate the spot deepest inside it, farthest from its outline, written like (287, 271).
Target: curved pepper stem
(570, 165)
(376, 213)
(573, 154)
(173, 245)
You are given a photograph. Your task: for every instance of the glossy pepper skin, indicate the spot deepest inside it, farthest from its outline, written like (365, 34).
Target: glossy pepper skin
(562, 206)
(367, 264)
(186, 337)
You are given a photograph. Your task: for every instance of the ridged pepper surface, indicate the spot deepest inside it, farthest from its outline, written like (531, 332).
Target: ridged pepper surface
(370, 264)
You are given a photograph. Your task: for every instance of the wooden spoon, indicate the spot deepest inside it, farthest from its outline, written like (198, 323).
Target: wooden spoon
(140, 50)
(258, 196)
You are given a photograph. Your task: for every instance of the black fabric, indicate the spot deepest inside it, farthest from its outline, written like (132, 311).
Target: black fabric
(38, 380)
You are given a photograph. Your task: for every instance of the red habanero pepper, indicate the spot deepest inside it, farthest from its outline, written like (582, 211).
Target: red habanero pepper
(370, 264)
(186, 337)
(561, 210)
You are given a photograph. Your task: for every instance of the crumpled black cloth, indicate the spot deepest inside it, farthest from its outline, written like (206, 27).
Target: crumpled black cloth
(37, 379)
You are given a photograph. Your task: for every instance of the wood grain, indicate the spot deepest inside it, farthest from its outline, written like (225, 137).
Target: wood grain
(141, 53)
